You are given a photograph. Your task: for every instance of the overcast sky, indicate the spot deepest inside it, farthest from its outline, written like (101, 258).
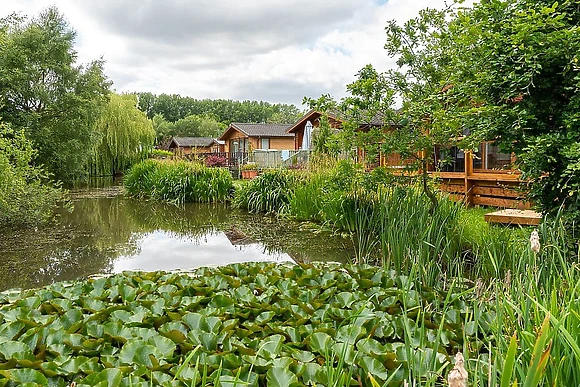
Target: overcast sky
(271, 50)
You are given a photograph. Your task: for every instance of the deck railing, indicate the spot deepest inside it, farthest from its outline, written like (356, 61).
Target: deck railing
(262, 158)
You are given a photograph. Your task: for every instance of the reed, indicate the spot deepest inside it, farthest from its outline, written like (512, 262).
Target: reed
(178, 182)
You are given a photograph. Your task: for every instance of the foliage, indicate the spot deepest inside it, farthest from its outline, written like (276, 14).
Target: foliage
(261, 324)
(27, 198)
(175, 107)
(500, 70)
(249, 167)
(214, 160)
(269, 192)
(177, 182)
(45, 93)
(125, 136)
(160, 153)
(189, 126)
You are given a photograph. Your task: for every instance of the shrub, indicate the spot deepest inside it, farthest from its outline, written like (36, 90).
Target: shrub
(27, 197)
(178, 182)
(160, 154)
(216, 161)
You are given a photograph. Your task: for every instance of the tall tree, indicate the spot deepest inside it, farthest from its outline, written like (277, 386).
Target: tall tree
(125, 135)
(46, 93)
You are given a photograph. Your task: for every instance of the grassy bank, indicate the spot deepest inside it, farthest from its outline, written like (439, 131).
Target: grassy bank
(177, 182)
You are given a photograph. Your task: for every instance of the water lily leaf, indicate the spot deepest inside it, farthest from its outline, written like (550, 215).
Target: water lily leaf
(309, 373)
(16, 350)
(71, 320)
(303, 356)
(320, 342)
(25, 375)
(271, 347)
(139, 352)
(373, 367)
(11, 331)
(222, 302)
(110, 377)
(349, 334)
(196, 321)
(163, 344)
(281, 377)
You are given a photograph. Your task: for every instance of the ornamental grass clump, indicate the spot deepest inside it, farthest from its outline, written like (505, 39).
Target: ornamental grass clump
(269, 193)
(178, 182)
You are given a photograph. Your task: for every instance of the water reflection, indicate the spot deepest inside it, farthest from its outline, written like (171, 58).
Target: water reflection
(111, 234)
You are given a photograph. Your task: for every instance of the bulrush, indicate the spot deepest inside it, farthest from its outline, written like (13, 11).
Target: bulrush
(458, 375)
(535, 241)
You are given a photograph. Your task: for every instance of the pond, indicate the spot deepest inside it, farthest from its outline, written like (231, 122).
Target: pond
(107, 233)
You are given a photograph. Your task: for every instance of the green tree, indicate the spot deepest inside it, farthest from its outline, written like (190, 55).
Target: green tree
(45, 92)
(27, 197)
(518, 78)
(125, 135)
(501, 70)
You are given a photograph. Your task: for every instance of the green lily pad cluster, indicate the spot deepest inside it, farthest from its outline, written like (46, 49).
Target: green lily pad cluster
(243, 324)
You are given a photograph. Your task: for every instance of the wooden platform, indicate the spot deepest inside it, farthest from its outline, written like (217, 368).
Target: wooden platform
(511, 216)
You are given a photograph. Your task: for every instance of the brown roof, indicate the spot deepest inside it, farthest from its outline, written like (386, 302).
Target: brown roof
(377, 120)
(193, 142)
(260, 130)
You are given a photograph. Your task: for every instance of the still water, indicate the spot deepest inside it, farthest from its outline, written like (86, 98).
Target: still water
(107, 233)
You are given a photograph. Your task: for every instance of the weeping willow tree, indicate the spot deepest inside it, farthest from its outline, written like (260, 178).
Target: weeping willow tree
(126, 136)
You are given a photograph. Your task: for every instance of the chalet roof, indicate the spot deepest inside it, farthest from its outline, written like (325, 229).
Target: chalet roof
(377, 120)
(260, 130)
(194, 141)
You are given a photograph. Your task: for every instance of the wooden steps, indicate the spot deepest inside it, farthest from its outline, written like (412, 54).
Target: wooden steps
(511, 216)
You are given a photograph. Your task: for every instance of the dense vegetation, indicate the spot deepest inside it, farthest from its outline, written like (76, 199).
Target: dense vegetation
(260, 324)
(392, 226)
(175, 107)
(503, 71)
(188, 126)
(47, 94)
(26, 196)
(178, 182)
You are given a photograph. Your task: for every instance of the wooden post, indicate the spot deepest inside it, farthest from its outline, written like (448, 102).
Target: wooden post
(468, 184)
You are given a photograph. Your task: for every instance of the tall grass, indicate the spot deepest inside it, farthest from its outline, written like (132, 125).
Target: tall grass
(535, 327)
(267, 193)
(178, 182)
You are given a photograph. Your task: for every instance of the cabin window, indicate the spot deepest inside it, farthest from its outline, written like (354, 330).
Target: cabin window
(239, 145)
(449, 159)
(265, 143)
(490, 157)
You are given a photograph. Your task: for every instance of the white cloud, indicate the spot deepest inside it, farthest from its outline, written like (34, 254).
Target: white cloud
(255, 49)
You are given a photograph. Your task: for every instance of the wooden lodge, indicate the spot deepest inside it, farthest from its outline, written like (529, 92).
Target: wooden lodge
(483, 178)
(244, 138)
(184, 146)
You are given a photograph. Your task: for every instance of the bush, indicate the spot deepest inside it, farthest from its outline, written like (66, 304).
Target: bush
(216, 161)
(27, 198)
(160, 154)
(178, 182)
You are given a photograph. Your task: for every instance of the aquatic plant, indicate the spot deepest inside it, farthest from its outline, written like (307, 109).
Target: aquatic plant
(177, 182)
(262, 324)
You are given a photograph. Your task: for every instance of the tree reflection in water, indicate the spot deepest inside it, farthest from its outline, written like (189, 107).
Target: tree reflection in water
(106, 234)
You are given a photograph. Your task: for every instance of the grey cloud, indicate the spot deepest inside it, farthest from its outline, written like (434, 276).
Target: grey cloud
(221, 26)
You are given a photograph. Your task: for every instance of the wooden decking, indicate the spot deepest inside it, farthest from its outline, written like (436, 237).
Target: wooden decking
(511, 216)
